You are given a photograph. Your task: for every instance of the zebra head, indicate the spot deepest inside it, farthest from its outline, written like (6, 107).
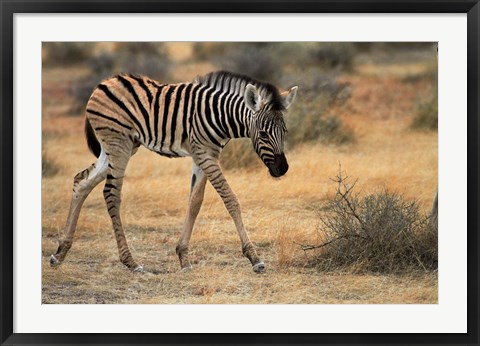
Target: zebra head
(267, 128)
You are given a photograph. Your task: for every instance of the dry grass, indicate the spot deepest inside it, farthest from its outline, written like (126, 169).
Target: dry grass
(277, 213)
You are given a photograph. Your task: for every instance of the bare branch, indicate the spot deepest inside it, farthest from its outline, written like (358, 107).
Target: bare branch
(312, 247)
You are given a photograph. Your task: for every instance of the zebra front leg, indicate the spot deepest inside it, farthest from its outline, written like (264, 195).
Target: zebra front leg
(118, 161)
(197, 191)
(83, 184)
(214, 173)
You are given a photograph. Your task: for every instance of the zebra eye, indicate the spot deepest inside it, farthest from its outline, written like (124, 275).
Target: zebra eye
(263, 134)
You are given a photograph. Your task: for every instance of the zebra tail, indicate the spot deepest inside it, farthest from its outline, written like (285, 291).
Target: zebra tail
(92, 141)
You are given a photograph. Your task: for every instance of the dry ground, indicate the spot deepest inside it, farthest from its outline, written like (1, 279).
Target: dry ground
(277, 213)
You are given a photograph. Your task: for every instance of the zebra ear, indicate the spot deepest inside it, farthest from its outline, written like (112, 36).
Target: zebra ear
(289, 96)
(252, 98)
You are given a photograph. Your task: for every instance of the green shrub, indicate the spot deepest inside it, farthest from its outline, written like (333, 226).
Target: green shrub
(81, 89)
(338, 55)
(270, 60)
(64, 53)
(266, 61)
(239, 154)
(145, 58)
(307, 122)
(426, 116)
(380, 232)
(206, 51)
(150, 59)
(309, 125)
(257, 60)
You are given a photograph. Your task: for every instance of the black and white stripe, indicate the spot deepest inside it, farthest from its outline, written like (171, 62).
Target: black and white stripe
(186, 119)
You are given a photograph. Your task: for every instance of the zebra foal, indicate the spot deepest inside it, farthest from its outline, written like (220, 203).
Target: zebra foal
(177, 120)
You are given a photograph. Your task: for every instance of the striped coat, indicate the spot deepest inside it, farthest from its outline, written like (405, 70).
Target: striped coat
(175, 120)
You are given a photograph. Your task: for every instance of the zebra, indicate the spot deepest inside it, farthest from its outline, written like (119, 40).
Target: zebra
(195, 119)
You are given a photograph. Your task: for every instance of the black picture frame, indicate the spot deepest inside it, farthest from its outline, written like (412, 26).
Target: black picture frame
(9, 7)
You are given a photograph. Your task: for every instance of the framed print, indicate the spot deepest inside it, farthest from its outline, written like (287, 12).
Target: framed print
(239, 172)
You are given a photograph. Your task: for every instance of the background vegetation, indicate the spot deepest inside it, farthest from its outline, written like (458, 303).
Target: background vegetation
(370, 106)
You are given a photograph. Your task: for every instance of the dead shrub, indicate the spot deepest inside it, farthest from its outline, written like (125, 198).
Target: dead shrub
(381, 232)
(49, 168)
(430, 74)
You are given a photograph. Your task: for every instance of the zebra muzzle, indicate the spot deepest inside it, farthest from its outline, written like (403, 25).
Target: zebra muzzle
(279, 166)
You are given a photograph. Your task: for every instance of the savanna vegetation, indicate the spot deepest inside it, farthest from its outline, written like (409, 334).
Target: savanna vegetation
(349, 223)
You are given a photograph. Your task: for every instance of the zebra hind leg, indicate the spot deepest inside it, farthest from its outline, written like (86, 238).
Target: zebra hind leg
(118, 160)
(83, 184)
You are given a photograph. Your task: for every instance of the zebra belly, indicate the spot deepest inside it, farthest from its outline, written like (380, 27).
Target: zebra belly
(171, 153)
(175, 150)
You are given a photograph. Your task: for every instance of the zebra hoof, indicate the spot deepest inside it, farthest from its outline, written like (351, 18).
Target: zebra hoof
(139, 269)
(259, 268)
(54, 262)
(186, 269)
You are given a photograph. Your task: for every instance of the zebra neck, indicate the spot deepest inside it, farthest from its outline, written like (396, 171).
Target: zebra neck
(224, 115)
(239, 120)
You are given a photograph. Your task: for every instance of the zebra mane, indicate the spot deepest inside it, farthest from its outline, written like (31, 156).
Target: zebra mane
(235, 83)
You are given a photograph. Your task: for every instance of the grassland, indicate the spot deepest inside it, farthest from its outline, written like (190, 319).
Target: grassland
(279, 214)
